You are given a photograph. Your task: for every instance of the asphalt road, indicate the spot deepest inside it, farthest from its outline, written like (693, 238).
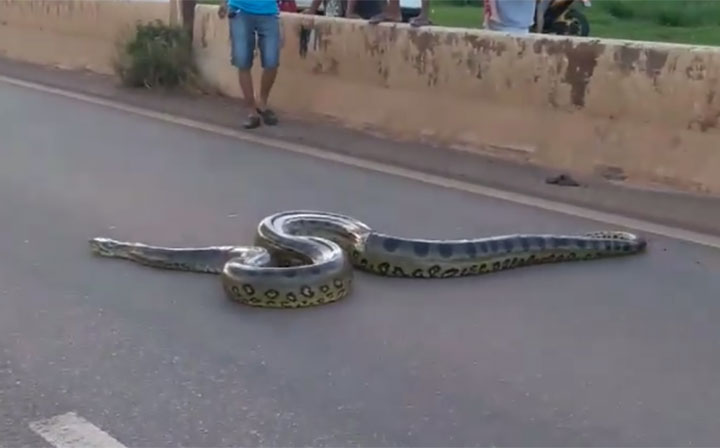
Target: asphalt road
(613, 352)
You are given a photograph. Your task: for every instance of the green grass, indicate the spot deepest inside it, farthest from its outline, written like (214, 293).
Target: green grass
(681, 21)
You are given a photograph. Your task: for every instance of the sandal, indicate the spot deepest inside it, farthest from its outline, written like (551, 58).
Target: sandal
(374, 20)
(417, 22)
(268, 117)
(252, 122)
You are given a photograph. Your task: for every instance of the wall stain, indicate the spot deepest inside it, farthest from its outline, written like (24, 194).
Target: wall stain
(331, 69)
(203, 30)
(581, 63)
(304, 39)
(425, 43)
(485, 45)
(696, 69)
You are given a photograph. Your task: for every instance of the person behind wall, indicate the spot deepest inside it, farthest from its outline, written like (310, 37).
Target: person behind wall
(510, 16)
(251, 21)
(392, 12)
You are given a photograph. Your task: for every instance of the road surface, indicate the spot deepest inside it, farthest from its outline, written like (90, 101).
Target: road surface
(613, 352)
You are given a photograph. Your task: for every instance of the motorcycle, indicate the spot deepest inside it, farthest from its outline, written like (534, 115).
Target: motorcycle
(563, 18)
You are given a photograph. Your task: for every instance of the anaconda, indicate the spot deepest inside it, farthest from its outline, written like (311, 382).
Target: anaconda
(306, 258)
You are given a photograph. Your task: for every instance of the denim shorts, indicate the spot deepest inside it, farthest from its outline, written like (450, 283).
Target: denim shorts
(250, 31)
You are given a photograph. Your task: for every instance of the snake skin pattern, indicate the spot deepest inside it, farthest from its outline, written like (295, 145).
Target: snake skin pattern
(306, 258)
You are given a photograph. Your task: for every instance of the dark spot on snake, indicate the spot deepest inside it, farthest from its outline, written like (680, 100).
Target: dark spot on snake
(464, 272)
(254, 300)
(235, 290)
(391, 244)
(496, 266)
(493, 245)
(330, 295)
(421, 249)
(304, 302)
(509, 245)
(506, 263)
(398, 272)
(559, 257)
(571, 256)
(525, 243)
(321, 300)
(532, 259)
(338, 283)
(450, 273)
(626, 247)
(383, 268)
(434, 270)
(483, 267)
(470, 249)
(324, 289)
(271, 293)
(285, 304)
(514, 262)
(248, 289)
(291, 297)
(418, 273)
(445, 250)
(355, 253)
(307, 292)
(363, 262)
(474, 269)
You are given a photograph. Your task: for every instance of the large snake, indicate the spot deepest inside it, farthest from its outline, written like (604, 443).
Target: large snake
(306, 258)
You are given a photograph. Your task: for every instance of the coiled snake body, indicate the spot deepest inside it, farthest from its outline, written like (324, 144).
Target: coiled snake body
(306, 258)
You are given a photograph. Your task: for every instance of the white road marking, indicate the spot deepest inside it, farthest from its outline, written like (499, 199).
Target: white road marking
(71, 431)
(544, 204)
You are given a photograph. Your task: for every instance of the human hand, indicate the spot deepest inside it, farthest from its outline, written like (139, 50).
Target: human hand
(222, 10)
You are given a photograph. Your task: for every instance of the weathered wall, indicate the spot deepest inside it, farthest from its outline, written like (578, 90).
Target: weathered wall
(72, 34)
(651, 110)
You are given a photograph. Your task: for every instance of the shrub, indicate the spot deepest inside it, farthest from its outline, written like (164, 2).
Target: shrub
(157, 55)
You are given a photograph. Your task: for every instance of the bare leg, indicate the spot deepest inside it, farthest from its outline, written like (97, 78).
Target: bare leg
(246, 85)
(350, 11)
(266, 83)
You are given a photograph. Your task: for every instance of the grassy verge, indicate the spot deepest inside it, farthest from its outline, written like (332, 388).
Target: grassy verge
(681, 21)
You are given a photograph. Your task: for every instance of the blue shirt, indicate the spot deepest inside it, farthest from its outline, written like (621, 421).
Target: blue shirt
(260, 7)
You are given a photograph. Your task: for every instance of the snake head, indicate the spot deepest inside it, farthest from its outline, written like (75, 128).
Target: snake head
(104, 247)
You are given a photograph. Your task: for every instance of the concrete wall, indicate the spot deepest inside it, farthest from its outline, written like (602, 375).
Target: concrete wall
(72, 34)
(650, 111)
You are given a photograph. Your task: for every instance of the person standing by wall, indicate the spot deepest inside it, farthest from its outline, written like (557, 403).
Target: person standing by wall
(248, 20)
(512, 16)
